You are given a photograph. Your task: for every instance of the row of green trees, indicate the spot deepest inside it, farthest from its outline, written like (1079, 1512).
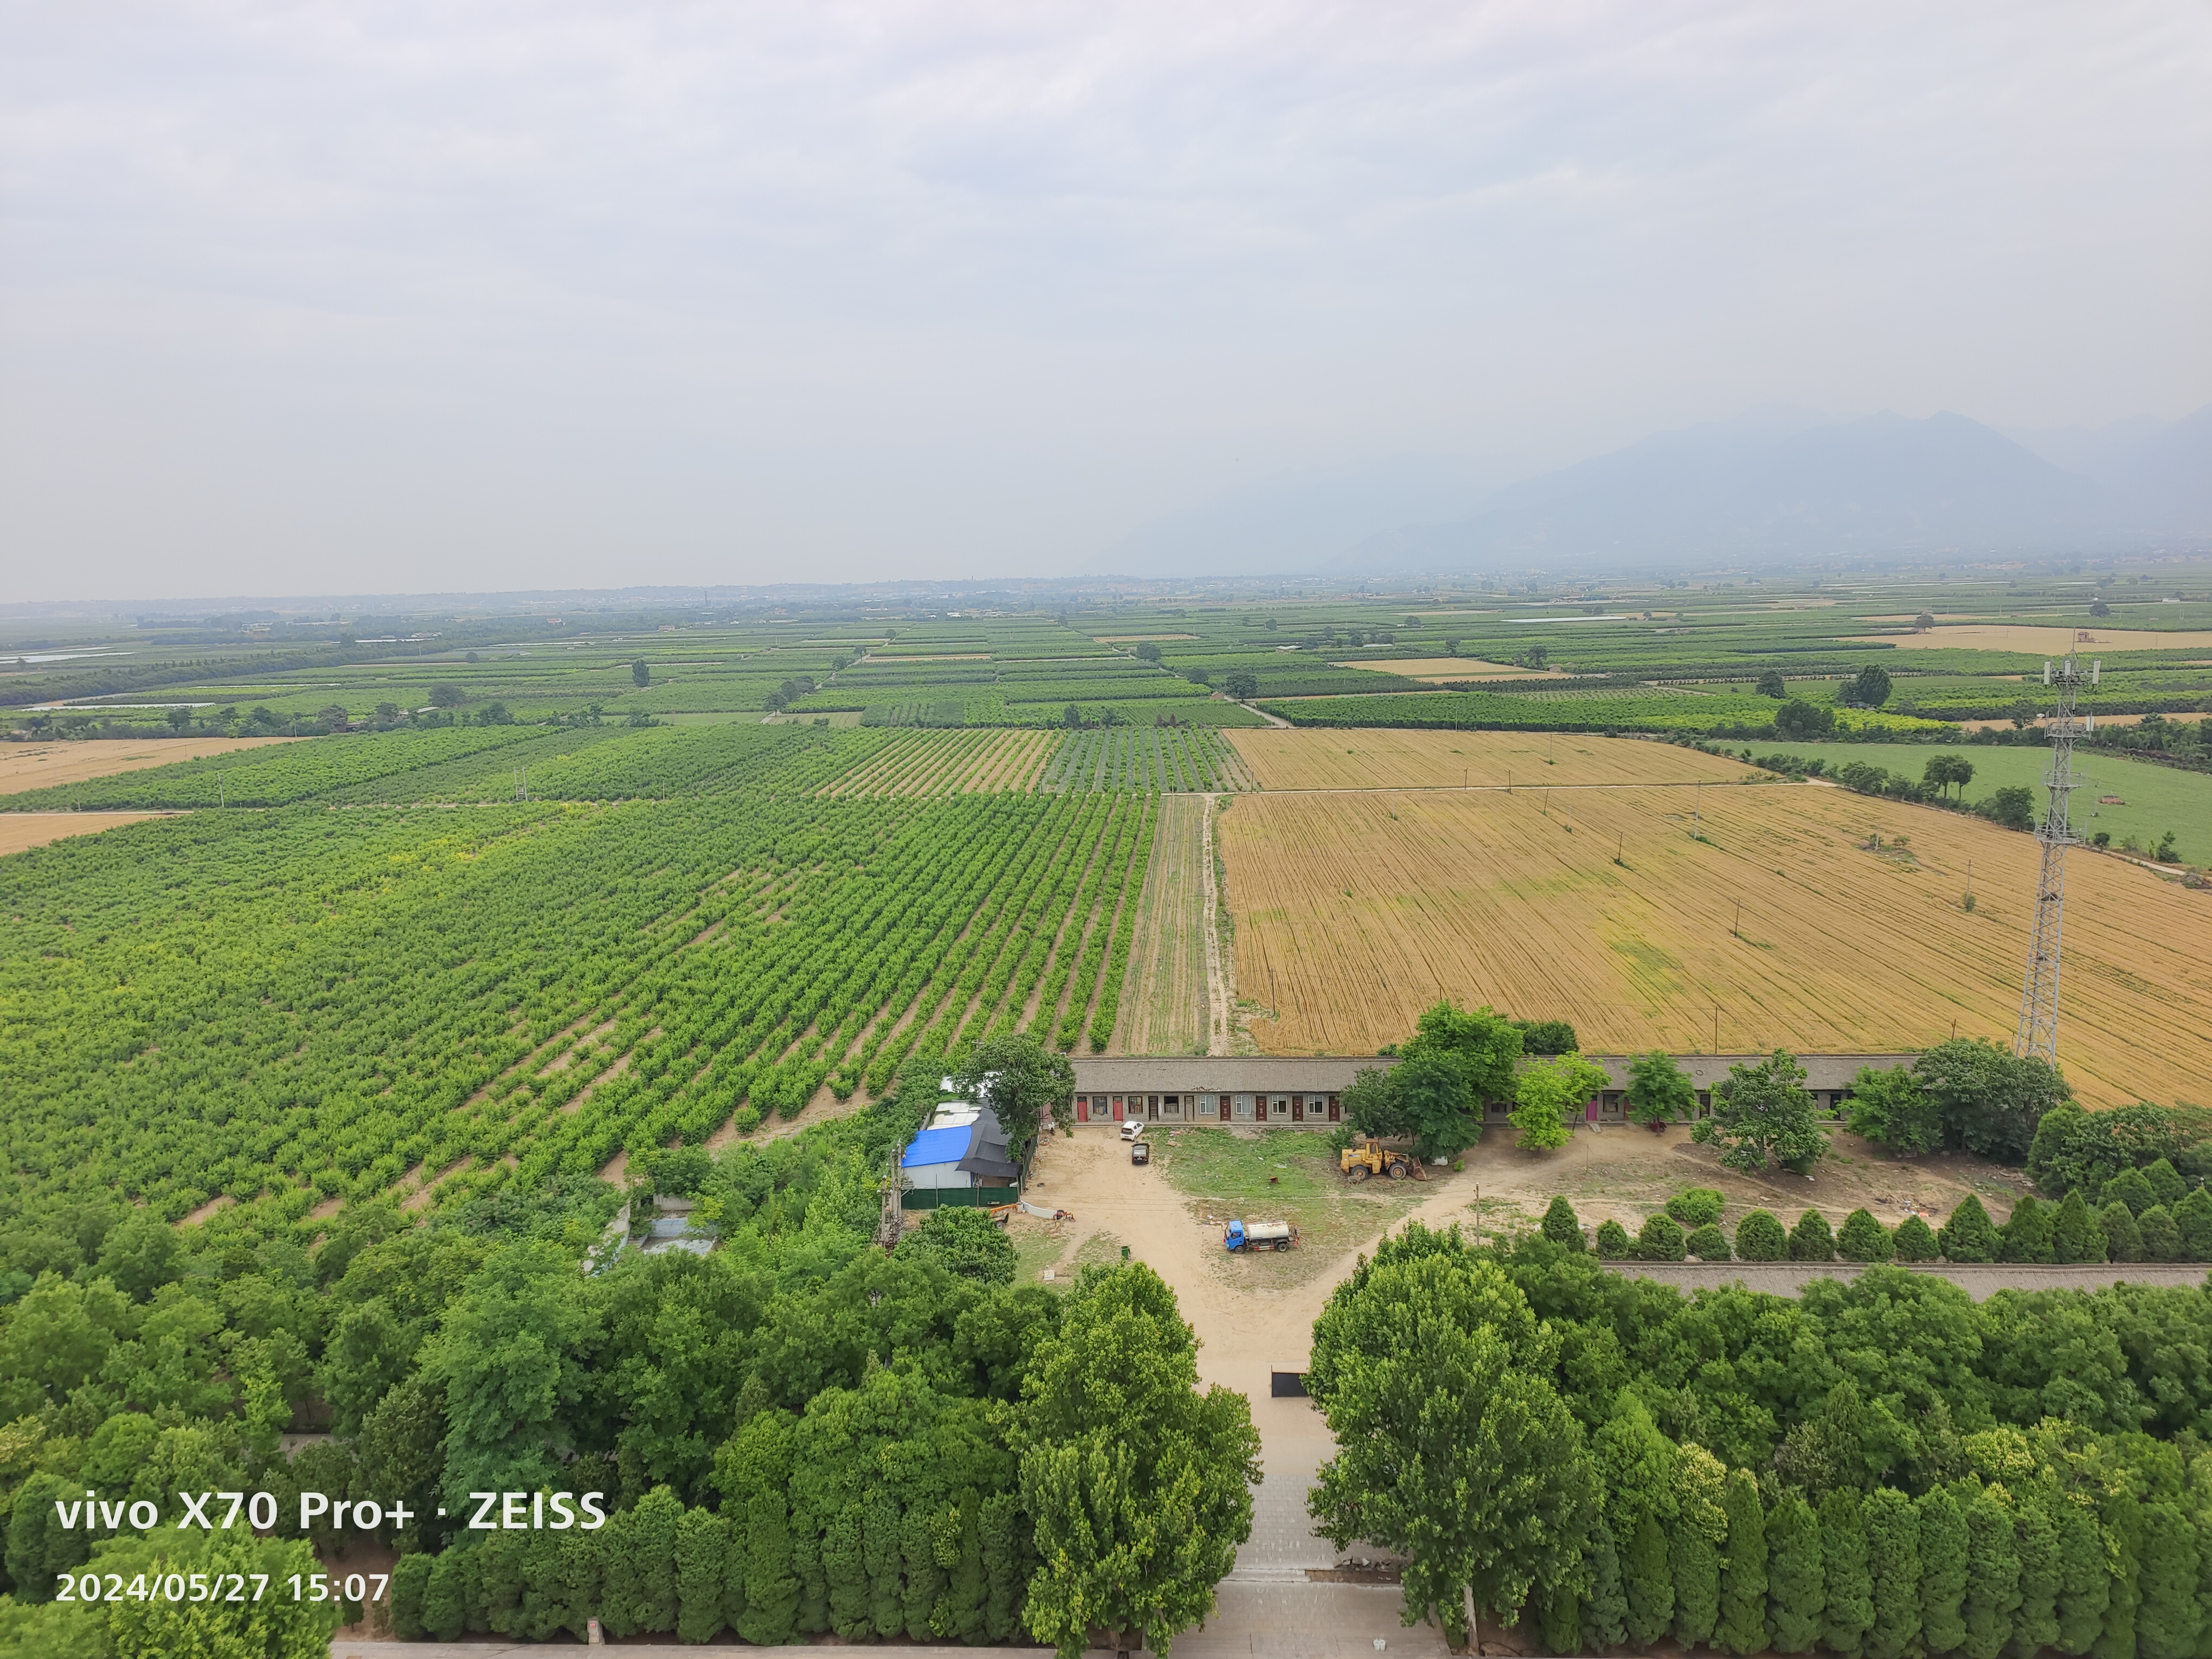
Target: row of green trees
(1879, 1468)
(800, 1434)
(2070, 1232)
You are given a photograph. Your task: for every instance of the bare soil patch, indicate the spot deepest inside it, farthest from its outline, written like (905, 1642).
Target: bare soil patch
(22, 831)
(1164, 1001)
(2021, 636)
(40, 765)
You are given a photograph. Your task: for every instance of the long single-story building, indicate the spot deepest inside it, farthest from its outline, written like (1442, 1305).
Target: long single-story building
(1308, 1089)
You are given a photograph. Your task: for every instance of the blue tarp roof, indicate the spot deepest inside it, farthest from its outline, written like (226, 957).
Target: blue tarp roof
(939, 1146)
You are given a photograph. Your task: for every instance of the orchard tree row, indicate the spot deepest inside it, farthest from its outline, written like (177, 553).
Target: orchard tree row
(1880, 1468)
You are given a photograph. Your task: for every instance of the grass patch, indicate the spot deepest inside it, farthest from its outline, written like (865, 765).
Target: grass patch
(1280, 1174)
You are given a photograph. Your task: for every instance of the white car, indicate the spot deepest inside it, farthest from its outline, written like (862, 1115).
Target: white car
(1132, 1129)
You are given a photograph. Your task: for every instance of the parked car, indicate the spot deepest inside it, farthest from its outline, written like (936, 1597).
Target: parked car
(1141, 1151)
(1132, 1129)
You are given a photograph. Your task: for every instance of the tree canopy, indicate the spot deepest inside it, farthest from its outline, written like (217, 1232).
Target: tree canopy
(1762, 1115)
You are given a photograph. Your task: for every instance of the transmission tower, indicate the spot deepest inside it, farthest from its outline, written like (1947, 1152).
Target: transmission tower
(2039, 1000)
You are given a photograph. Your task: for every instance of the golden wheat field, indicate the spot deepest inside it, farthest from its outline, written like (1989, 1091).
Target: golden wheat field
(20, 831)
(1432, 760)
(1353, 912)
(37, 765)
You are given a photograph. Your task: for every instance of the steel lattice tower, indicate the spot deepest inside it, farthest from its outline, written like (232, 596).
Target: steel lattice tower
(2039, 1001)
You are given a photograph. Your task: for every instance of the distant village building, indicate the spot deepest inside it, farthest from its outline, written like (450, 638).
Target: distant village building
(1306, 1090)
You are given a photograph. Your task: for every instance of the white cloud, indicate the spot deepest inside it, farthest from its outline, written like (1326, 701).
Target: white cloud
(525, 291)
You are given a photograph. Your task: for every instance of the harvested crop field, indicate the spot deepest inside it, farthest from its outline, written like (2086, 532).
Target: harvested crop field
(2050, 641)
(1163, 1011)
(20, 831)
(952, 762)
(1384, 759)
(39, 765)
(1354, 912)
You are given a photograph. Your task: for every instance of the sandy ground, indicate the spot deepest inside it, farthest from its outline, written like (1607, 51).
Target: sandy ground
(1453, 668)
(2013, 636)
(37, 765)
(20, 831)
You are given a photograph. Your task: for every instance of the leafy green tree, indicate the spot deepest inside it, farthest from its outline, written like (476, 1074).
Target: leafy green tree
(1811, 1240)
(1708, 1243)
(2133, 1189)
(1481, 1045)
(1992, 1578)
(640, 675)
(1850, 1611)
(1450, 1449)
(1944, 770)
(1892, 1535)
(2165, 1181)
(1023, 1082)
(1990, 1101)
(1770, 683)
(1242, 685)
(1547, 1093)
(2085, 1580)
(1763, 1115)
(2012, 807)
(1650, 1581)
(1563, 1226)
(1888, 1107)
(1870, 687)
(1743, 1626)
(39, 1547)
(1969, 1235)
(1431, 1101)
(1863, 1238)
(1796, 1583)
(2193, 1216)
(1696, 1206)
(2161, 1239)
(753, 1471)
(2074, 1234)
(968, 1243)
(1695, 1542)
(276, 1625)
(1943, 1570)
(1915, 1240)
(142, 1254)
(410, 1578)
(1659, 1090)
(1139, 1485)
(369, 1351)
(1759, 1236)
(2035, 1541)
(1661, 1239)
(507, 1358)
(1804, 721)
(1605, 1607)
(2027, 1232)
(2170, 1619)
(1613, 1241)
(2123, 1239)
(1547, 1037)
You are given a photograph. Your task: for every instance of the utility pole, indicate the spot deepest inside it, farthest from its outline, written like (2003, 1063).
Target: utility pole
(2038, 1001)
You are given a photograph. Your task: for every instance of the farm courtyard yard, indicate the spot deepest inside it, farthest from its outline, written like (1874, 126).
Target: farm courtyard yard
(1353, 911)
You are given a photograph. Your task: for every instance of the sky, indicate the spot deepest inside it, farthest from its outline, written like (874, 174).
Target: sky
(477, 294)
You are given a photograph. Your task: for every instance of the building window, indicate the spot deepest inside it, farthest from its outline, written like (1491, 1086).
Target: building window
(1170, 1105)
(1279, 1107)
(1243, 1108)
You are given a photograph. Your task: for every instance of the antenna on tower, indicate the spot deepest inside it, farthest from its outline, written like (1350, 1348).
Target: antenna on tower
(2038, 1001)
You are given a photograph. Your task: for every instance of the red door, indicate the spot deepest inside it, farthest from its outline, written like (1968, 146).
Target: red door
(1117, 1108)
(1224, 1108)
(1082, 1109)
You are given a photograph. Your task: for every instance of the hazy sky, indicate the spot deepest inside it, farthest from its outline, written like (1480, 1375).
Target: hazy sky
(399, 296)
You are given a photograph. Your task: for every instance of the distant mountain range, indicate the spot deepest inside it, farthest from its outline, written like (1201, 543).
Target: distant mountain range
(1777, 482)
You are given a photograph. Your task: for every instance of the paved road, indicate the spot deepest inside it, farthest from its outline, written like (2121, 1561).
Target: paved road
(1981, 1283)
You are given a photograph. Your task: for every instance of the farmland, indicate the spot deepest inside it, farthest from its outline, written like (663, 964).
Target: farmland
(42, 765)
(1438, 760)
(1355, 911)
(1573, 708)
(534, 987)
(20, 831)
(2154, 799)
(1167, 1015)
